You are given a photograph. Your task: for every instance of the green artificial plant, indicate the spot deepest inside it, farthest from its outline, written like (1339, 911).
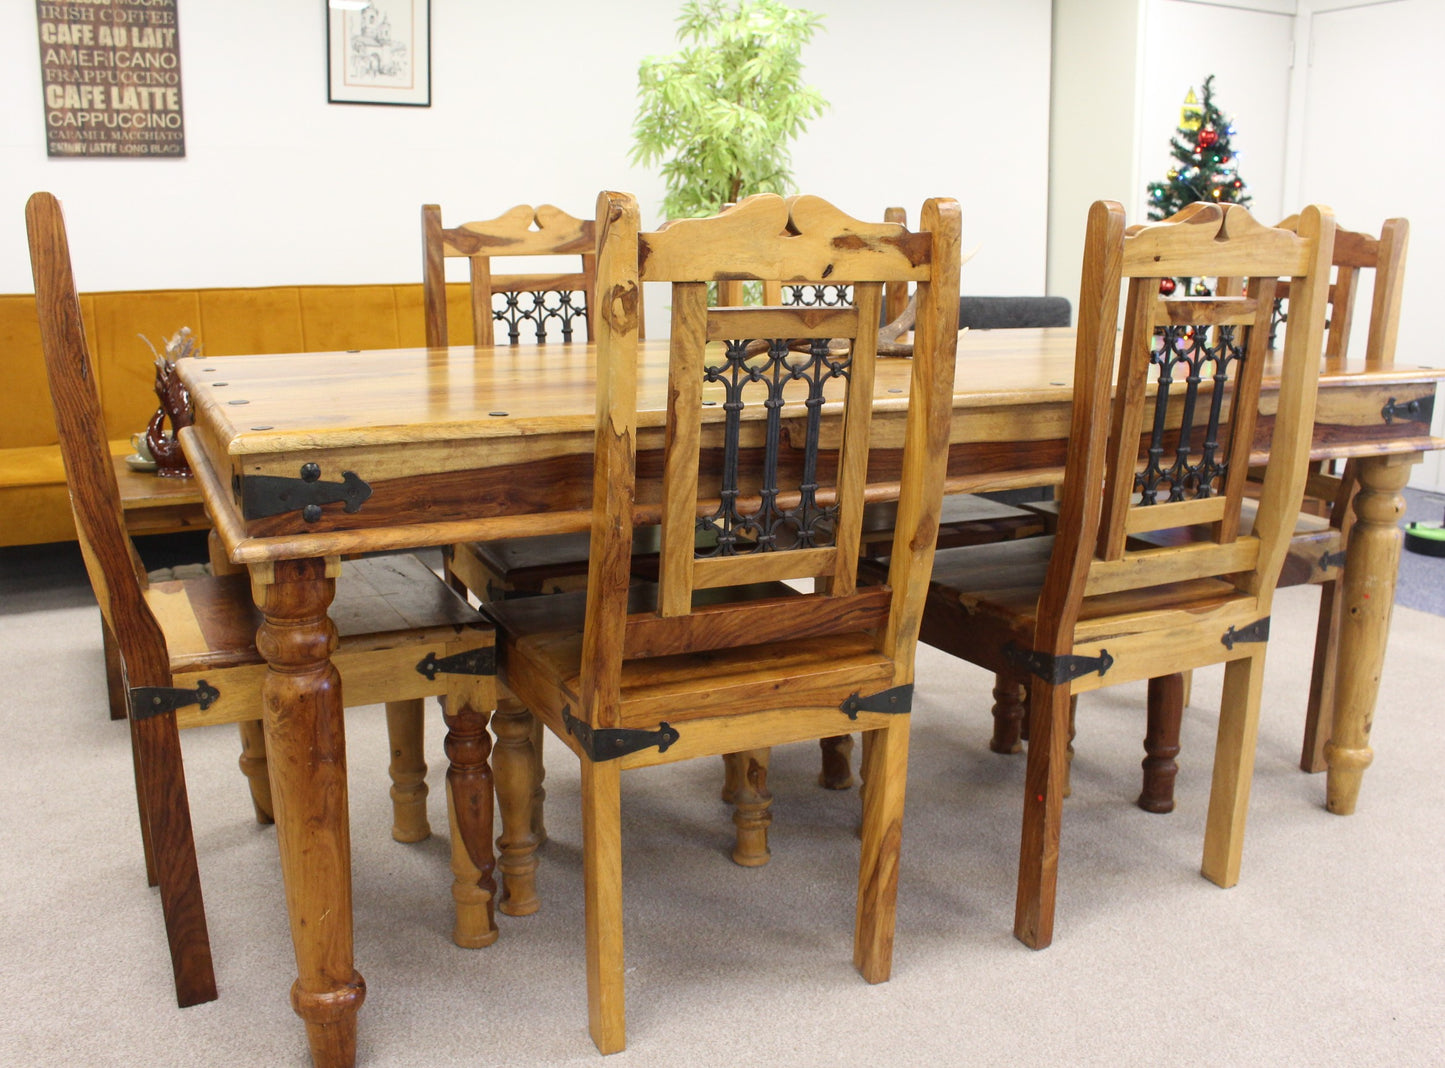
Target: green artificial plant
(719, 113)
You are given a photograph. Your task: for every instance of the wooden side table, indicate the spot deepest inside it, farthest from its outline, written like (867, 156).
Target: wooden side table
(156, 505)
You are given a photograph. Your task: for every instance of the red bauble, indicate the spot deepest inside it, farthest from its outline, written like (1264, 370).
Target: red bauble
(1166, 286)
(1207, 137)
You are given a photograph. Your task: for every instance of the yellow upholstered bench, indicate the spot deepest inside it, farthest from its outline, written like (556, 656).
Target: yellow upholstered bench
(33, 503)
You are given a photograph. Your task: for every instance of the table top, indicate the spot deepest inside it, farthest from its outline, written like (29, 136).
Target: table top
(311, 400)
(421, 421)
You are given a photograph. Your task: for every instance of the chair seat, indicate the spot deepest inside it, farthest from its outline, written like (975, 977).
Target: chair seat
(556, 563)
(1004, 580)
(544, 563)
(379, 598)
(541, 637)
(389, 611)
(1313, 548)
(965, 519)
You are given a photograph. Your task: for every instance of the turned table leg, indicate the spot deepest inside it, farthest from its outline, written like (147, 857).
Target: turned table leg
(306, 747)
(1368, 593)
(1161, 742)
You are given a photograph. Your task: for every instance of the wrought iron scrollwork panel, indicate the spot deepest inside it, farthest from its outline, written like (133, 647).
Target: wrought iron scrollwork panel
(1279, 315)
(821, 295)
(548, 309)
(762, 371)
(1187, 355)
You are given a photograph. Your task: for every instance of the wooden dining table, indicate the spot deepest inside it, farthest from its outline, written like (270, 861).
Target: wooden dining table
(303, 458)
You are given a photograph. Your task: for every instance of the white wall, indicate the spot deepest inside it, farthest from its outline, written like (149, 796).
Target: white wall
(1249, 53)
(1333, 103)
(939, 98)
(1092, 138)
(930, 97)
(1370, 147)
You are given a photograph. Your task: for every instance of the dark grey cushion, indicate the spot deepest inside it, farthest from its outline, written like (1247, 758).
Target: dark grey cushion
(1004, 313)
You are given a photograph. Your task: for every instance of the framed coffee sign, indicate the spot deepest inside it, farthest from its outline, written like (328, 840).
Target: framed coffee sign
(111, 76)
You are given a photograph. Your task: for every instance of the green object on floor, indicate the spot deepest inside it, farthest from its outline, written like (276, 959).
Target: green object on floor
(1425, 538)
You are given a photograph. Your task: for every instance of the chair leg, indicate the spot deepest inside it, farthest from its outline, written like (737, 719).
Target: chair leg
(142, 808)
(451, 577)
(406, 730)
(161, 785)
(514, 764)
(1233, 769)
(751, 801)
(1320, 713)
(732, 778)
(114, 675)
(468, 706)
(1161, 742)
(1009, 711)
(602, 890)
(1069, 749)
(539, 772)
(253, 766)
(1043, 811)
(887, 770)
(836, 772)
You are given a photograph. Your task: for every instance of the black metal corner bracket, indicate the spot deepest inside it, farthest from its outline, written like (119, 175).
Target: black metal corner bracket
(1335, 559)
(609, 743)
(268, 495)
(1420, 410)
(472, 662)
(148, 701)
(1057, 669)
(1258, 631)
(898, 701)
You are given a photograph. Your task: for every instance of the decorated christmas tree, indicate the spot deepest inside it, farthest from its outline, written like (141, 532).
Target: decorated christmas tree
(1204, 163)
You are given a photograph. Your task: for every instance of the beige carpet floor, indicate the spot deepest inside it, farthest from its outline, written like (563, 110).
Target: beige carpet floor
(1331, 951)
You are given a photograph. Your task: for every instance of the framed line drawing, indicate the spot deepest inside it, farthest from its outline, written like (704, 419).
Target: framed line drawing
(379, 52)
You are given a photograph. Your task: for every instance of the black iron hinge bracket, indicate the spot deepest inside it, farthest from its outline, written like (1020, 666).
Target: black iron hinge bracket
(898, 701)
(1057, 669)
(1419, 410)
(609, 743)
(1258, 631)
(148, 701)
(268, 495)
(472, 662)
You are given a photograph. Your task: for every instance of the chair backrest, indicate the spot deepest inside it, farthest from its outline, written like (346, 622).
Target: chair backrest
(1356, 252)
(1193, 368)
(823, 294)
(116, 575)
(550, 303)
(752, 490)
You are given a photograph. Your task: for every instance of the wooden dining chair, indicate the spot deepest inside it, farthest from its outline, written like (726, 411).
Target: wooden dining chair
(188, 654)
(965, 518)
(548, 303)
(1089, 606)
(1317, 548)
(720, 655)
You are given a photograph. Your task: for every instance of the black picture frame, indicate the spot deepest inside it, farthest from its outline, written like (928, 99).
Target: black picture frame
(378, 52)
